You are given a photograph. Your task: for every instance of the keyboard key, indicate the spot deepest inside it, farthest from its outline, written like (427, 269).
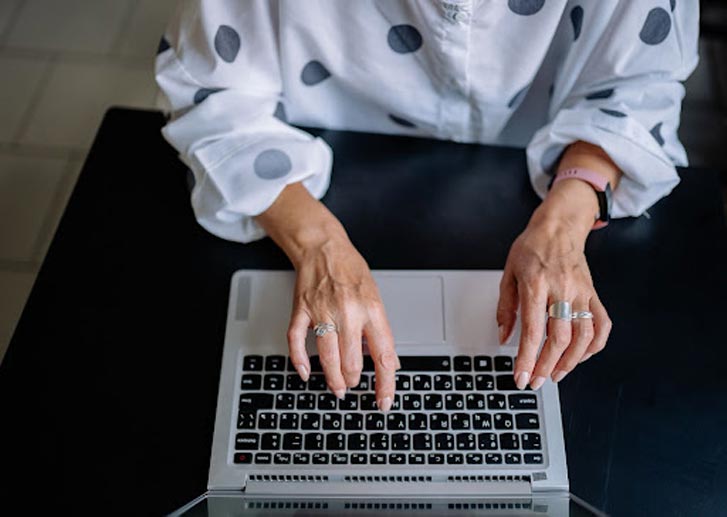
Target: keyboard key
(379, 442)
(487, 441)
(400, 442)
(443, 382)
(252, 363)
(513, 458)
(464, 382)
(481, 421)
(527, 421)
(422, 382)
(396, 405)
(474, 458)
(336, 441)
(503, 363)
(270, 441)
(359, 459)
(417, 421)
(267, 421)
(435, 459)
(422, 441)
(509, 442)
(530, 441)
(314, 441)
(439, 421)
(289, 364)
(368, 402)
(246, 420)
(349, 402)
(460, 421)
(454, 401)
(293, 382)
(363, 384)
(377, 459)
(506, 383)
(353, 422)
(412, 401)
(332, 421)
(255, 401)
(503, 421)
(273, 382)
(433, 401)
(496, 401)
(475, 401)
(463, 363)
(301, 458)
(417, 459)
(310, 421)
(396, 422)
(275, 363)
(251, 381)
(263, 458)
(375, 422)
(246, 441)
(356, 442)
(288, 421)
(454, 458)
(523, 401)
(484, 382)
(339, 458)
(403, 382)
(315, 364)
(466, 442)
(317, 382)
(284, 401)
(493, 458)
(282, 458)
(533, 458)
(327, 401)
(242, 458)
(397, 459)
(320, 458)
(483, 363)
(292, 441)
(429, 363)
(306, 401)
(443, 441)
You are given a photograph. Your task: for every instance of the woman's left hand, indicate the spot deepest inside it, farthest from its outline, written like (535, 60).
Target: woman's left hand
(547, 264)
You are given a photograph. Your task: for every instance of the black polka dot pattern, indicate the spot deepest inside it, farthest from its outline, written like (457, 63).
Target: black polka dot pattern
(401, 121)
(656, 27)
(551, 157)
(672, 4)
(227, 43)
(656, 133)
(280, 112)
(201, 94)
(525, 7)
(613, 113)
(600, 94)
(576, 19)
(518, 97)
(272, 164)
(404, 39)
(163, 45)
(313, 73)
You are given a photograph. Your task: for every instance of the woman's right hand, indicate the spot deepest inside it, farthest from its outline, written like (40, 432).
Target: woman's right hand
(333, 285)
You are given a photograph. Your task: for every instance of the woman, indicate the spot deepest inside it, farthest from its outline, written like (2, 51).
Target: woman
(590, 86)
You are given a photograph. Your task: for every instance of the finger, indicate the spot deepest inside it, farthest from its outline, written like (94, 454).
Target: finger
(582, 338)
(507, 307)
(381, 347)
(560, 334)
(601, 328)
(297, 331)
(532, 307)
(328, 351)
(350, 349)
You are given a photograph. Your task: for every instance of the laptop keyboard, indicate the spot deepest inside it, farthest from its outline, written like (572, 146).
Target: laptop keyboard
(462, 410)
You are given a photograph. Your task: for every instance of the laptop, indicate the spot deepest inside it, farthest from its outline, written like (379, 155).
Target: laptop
(459, 439)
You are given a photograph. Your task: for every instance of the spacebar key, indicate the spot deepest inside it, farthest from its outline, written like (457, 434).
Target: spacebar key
(425, 363)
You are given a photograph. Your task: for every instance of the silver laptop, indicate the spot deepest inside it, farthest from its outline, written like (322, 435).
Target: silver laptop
(460, 438)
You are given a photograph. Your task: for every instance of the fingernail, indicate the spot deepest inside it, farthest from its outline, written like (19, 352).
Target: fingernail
(501, 328)
(558, 376)
(340, 393)
(537, 382)
(302, 371)
(585, 358)
(384, 404)
(522, 380)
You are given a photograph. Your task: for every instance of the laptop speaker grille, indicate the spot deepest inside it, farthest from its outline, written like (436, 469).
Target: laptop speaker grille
(291, 505)
(488, 478)
(387, 506)
(489, 506)
(387, 479)
(291, 477)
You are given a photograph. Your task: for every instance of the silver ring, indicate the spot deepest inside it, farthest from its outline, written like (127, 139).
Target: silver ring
(560, 310)
(321, 329)
(582, 315)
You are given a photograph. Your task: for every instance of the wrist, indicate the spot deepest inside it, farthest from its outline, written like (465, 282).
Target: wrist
(570, 204)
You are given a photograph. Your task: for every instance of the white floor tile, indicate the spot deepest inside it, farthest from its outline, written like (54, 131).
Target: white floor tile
(27, 190)
(14, 291)
(7, 8)
(150, 18)
(69, 25)
(70, 110)
(21, 78)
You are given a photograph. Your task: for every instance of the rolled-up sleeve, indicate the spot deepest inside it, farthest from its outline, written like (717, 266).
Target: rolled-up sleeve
(219, 74)
(620, 88)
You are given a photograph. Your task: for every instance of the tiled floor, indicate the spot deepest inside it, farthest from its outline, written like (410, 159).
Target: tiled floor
(63, 62)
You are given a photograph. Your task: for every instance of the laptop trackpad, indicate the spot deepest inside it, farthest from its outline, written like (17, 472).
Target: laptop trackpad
(414, 306)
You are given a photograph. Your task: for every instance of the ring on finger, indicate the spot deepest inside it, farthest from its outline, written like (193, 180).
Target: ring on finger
(560, 310)
(321, 329)
(582, 315)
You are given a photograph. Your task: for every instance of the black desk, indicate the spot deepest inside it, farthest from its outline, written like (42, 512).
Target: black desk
(108, 389)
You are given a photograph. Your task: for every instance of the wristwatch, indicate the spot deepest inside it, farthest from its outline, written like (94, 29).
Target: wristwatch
(600, 185)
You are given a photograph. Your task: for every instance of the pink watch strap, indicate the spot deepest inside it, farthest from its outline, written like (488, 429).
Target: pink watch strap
(595, 179)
